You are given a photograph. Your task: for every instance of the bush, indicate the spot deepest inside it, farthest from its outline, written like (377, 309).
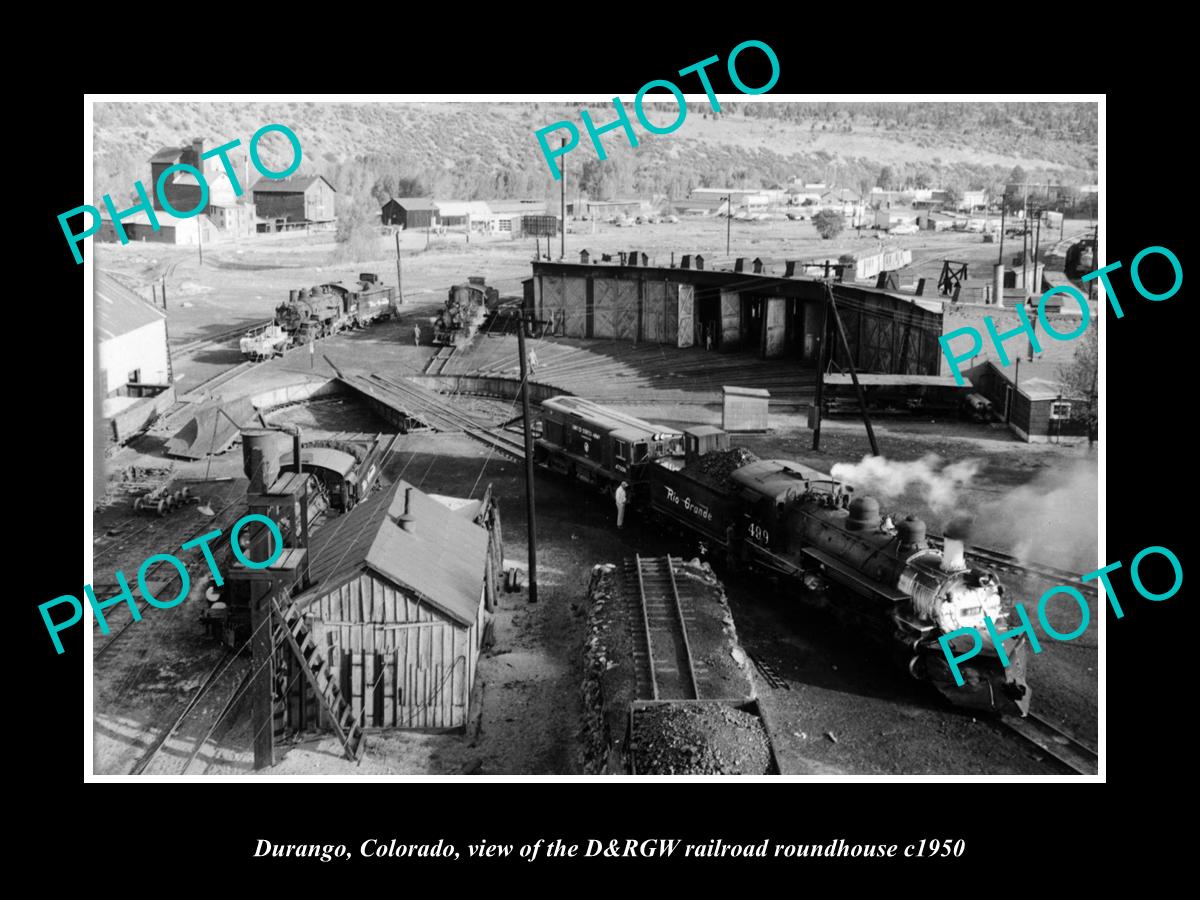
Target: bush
(829, 223)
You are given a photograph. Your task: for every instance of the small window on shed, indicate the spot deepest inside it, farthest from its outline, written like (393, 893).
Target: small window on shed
(1060, 410)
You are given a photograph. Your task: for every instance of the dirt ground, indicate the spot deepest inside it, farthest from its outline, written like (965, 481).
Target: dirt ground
(847, 709)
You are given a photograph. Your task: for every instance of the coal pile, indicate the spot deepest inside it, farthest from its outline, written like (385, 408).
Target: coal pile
(715, 468)
(699, 739)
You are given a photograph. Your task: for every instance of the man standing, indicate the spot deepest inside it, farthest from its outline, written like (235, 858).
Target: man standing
(417, 334)
(620, 496)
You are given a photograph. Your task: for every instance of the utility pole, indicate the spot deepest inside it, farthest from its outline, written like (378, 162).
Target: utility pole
(821, 363)
(728, 220)
(862, 399)
(531, 521)
(563, 207)
(200, 240)
(1003, 209)
(399, 279)
(164, 290)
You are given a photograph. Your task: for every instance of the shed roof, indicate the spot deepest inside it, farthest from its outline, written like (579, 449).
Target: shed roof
(119, 310)
(440, 556)
(462, 208)
(167, 154)
(415, 203)
(297, 184)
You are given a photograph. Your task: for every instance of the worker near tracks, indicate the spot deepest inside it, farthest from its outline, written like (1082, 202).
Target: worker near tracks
(417, 335)
(621, 496)
(533, 361)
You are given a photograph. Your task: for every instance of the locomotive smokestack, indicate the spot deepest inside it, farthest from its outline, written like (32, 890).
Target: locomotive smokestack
(957, 532)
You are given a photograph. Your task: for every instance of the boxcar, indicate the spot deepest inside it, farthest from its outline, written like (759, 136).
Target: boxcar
(597, 445)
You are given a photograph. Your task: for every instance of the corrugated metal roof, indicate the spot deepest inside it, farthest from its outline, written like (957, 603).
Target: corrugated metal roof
(440, 555)
(119, 310)
(297, 184)
(415, 203)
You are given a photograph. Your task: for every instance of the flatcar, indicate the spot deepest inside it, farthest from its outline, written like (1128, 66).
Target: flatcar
(596, 445)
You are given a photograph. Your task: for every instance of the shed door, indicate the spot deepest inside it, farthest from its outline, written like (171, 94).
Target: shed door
(604, 301)
(731, 321)
(653, 308)
(686, 328)
(775, 327)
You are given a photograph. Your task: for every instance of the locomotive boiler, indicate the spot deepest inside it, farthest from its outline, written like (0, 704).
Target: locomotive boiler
(310, 313)
(466, 308)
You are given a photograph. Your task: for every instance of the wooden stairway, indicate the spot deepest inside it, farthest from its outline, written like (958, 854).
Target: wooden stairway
(313, 664)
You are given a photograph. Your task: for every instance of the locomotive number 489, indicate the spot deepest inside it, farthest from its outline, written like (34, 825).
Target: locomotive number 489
(758, 533)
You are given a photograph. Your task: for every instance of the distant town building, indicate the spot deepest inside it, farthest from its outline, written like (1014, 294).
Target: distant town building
(302, 201)
(409, 212)
(460, 213)
(973, 200)
(171, 230)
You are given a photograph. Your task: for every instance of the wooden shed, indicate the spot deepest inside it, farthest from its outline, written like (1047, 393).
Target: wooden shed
(400, 590)
(299, 200)
(409, 212)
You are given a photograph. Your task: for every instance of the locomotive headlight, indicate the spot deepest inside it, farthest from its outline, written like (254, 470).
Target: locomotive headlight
(965, 607)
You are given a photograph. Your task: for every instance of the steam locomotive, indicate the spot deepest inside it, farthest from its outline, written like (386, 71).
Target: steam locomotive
(466, 308)
(324, 309)
(788, 521)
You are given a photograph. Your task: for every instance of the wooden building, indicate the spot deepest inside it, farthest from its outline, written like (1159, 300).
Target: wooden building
(181, 190)
(1037, 410)
(299, 201)
(399, 589)
(775, 316)
(409, 212)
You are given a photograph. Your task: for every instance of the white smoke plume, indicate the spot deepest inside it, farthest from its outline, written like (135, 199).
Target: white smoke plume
(938, 484)
(1050, 520)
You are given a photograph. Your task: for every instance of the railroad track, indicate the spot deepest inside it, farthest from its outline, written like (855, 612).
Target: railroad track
(1057, 744)
(663, 646)
(439, 414)
(437, 364)
(219, 338)
(210, 679)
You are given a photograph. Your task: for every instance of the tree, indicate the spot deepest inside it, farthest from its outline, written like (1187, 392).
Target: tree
(829, 223)
(1079, 377)
(886, 178)
(922, 180)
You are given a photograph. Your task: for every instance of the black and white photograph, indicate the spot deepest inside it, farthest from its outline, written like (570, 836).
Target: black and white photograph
(742, 436)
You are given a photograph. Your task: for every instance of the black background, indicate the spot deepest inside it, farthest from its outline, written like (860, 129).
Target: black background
(1148, 435)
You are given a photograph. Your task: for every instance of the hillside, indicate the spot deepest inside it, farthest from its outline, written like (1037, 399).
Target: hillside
(484, 151)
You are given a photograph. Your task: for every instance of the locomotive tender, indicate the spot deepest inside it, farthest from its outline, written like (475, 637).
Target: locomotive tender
(312, 313)
(789, 521)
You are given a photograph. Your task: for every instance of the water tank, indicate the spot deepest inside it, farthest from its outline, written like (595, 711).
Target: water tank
(864, 514)
(262, 449)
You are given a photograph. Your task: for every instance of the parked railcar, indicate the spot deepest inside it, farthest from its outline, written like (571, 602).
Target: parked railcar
(596, 445)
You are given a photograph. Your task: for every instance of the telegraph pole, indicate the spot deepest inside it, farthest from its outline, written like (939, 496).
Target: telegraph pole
(862, 399)
(399, 280)
(563, 207)
(728, 220)
(821, 363)
(531, 521)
